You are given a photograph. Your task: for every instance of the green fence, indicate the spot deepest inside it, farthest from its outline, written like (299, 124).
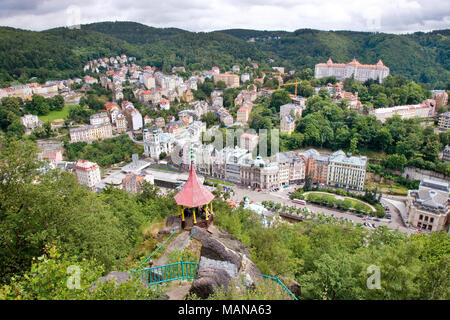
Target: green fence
(187, 270)
(169, 272)
(285, 289)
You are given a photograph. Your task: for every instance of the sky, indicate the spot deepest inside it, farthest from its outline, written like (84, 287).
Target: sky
(391, 16)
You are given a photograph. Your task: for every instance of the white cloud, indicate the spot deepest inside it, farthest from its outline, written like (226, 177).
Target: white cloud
(207, 15)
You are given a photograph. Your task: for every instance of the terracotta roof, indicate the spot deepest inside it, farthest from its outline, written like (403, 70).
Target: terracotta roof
(193, 193)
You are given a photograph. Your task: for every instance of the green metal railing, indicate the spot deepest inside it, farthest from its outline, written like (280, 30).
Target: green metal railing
(277, 280)
(187, 270)
(161, 246)
(187, 240)
(169, 272)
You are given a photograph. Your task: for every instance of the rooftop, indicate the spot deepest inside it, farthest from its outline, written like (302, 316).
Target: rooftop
(341, 157)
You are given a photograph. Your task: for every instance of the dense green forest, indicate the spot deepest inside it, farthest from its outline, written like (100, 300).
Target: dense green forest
(61, 52)
(106, 152)
(330, 258)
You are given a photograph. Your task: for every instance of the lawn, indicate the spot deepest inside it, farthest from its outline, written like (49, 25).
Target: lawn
(330, 200)
(394, 189)
(220, 182)
(53, 115)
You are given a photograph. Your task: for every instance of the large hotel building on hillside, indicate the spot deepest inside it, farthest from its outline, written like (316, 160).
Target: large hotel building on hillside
(361, 72)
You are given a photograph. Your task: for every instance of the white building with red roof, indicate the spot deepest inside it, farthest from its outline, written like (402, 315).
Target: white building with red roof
(164, 104)
(361, 72)
(88, 173)
(423, 110)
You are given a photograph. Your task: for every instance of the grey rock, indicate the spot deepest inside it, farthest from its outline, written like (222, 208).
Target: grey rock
(200, 234)
(208, 280)
(216, 250)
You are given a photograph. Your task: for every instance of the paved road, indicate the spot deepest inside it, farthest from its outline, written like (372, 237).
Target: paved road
(130, 134)
(282, 197)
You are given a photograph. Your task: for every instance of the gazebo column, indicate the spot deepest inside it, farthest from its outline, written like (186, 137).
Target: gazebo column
(182, 213)
(179, 212)
(195, 220)
(210, 204)
(206, 211)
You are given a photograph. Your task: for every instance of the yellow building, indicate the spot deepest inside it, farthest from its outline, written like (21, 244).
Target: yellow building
(243, 114)
(231, 80)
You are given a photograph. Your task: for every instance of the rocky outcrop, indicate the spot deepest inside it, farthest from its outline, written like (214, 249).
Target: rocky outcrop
(223, 260)
(292, 285)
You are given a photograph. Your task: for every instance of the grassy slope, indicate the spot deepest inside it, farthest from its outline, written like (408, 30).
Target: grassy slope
(53, 115)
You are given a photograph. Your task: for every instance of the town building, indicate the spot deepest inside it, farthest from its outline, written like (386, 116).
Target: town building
(90, 133)
(243, 115)
(361, 72)
(249, 141)
(164, 104)
(180, 69)
(441, 98)
(444, 121)
(346, 171)
(291, 109)
(236, 69)
(99, 118)
(216, 98)
(133, 182)
(53, 156)
(260, 174)
(287, 125)
(231, 80)
(297, 166)
(134, 117)
(446, 153)
(427, 207)
(423, 110)
(316, 166)
(121, 123)
(30, 122)
(157, 142)
(88, 173)
(245, 77)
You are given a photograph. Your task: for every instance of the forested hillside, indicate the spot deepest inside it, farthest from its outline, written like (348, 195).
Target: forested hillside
(423, 57)
(61, 52)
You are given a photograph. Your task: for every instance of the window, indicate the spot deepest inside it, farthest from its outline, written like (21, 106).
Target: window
(426, 218)
(431, 220)
(421, 217)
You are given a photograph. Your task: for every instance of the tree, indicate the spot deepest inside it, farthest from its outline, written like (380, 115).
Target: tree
(76, 220)
(50, 274)
(221, 85)
(162, 155)
(354, 145)
(211, 119)
(279, 98)
(381, 100)
(15, 129)
(395, 161)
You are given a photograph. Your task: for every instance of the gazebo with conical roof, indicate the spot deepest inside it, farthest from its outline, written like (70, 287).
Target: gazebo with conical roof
(194, 195)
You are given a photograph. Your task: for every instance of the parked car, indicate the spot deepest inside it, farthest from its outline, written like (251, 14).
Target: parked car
(388, 216)
(373, 225)
(360, 216)
(376, 219)
(259, 190)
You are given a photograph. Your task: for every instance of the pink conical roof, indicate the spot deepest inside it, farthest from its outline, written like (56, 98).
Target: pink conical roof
(193, 193)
